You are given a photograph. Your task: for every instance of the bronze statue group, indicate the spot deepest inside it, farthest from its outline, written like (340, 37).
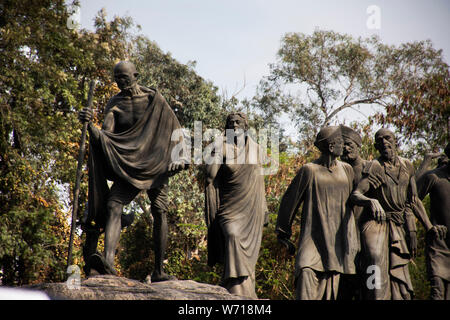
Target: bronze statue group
(358, 222)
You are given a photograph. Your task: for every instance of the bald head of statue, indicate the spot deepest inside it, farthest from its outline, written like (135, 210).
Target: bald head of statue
(237, 120)
(125, 75)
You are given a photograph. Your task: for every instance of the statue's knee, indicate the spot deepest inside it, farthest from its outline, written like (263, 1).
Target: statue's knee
(232, 232)
(159, 216)
(114, 208)
(375, 250)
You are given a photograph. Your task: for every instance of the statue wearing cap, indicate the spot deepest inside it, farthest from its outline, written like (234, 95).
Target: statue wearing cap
(350, 154)
(350, 287)
(328, 236)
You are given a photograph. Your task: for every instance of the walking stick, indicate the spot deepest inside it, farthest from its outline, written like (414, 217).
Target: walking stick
(76, 191)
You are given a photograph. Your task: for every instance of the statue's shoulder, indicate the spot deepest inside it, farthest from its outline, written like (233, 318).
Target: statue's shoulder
(407, 162)
(113, 101)
(437, 173)
(366, 164)
(311, 168)
(150, 91)
(408, 165)
(375, 167)
(348, 169)
(345, 165)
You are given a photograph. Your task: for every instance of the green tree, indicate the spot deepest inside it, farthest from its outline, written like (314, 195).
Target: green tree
(43, 83)
(36, 96)
(422, 114)
(318, 76)
(190, 96)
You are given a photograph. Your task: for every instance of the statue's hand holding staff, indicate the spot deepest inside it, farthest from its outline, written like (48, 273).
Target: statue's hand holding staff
(86, 114)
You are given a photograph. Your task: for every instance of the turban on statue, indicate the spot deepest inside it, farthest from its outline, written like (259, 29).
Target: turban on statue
(351, 134)
(327, 134)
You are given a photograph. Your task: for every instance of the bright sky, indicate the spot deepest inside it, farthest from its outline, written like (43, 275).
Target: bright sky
(234, 41)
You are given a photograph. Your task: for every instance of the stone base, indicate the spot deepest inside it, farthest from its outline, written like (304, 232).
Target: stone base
(109, 287)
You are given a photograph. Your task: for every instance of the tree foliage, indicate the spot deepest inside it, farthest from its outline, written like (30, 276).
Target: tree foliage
(45, 71)
(191, 97)
(318, 76)
(37, 94)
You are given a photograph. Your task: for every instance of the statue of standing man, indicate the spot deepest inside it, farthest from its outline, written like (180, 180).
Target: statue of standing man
(132, 149)
(236, 206)
(350, 286)
(328, 236)
(436, 183)
(388, 194)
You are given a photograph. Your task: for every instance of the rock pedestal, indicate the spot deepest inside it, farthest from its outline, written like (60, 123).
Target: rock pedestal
(107, 287)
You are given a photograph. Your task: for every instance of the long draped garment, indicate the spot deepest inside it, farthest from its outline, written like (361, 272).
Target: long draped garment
(235, 213)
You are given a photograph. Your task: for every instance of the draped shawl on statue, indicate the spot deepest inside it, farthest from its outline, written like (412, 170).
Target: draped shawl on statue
(139, 155)
(235, 214)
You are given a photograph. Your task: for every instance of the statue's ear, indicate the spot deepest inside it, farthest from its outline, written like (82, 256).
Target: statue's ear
(331, 147)
(136, 75)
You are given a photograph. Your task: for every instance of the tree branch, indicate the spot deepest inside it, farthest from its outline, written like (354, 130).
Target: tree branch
(349, 104)
(348, 91)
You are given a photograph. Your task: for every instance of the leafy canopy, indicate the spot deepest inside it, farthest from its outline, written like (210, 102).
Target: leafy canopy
(318, 76)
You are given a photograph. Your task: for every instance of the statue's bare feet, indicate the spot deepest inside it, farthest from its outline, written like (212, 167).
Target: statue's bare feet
(98, 263)
(158, 277)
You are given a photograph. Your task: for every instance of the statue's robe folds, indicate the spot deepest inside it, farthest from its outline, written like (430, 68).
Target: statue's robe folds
(384, 243)
(360, 169)
(350, 285)
(328, 235)
(437, 183)
(235, 214)
(139, 155)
